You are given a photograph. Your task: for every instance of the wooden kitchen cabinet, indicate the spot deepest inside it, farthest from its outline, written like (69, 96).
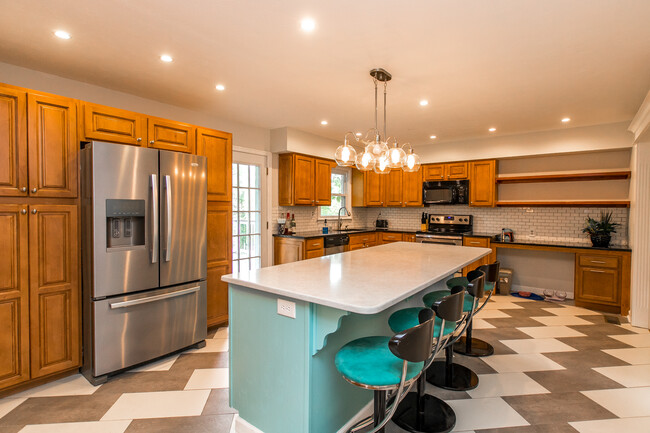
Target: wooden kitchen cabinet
(480, 242)
(170, 135)
(393, 189)
(456, 170)
(216, 146)
(289, 250)
(449, 171)
(482, 183)
(409, 237)
(387, 238)
(412, 188)
(112, 124)
(14, 295)
(304, 180)
(602, 281)
(373, 188)
(314, 248)
(52, 146)
(433, 172)
(219, 260)
(55, 315)
(362, 240)
(13, 141)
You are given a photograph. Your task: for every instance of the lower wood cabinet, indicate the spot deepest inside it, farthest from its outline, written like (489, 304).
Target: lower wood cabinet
(387, 238)
(602, 281)
(314, 248)
(362, 240)
(480, 242)
(289, 250)
(219, 260)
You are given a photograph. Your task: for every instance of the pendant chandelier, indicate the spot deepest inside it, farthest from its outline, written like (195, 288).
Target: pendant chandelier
(380, 153)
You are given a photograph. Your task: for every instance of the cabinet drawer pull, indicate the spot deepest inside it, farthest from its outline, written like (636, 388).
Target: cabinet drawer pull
(151, 142)
(597, 271)
(34, 211)
(474, 242)
(23, 189)
(139, 139)
(34, 189)
(598, 262)
(23, 211)
(315, 245)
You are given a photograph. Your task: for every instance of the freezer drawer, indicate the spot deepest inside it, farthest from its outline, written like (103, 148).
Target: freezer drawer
(132, 329)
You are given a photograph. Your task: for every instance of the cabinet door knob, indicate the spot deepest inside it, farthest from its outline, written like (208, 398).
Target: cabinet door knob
(23, 211)
(34, 190)
(139, 139)
(34, 211)
(23, 189)
(151, 142)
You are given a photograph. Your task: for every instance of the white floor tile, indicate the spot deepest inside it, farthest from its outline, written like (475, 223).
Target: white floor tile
(221, 333)
(509, 298)
(570, 310)
(484, 413)
(633, 355)
(481, 324)
(139, 405)
(160, 365)
(502, 306)
(9, 404)
(551, 332)
(211, 346)
(208, 378)
(537, 345)
(625, 425)
(520, 363)
(635, 340)
(71, 385)
(627, 375)
(634, 328)
(79, 427)
(499, 385)
(492, 314)
(624, 402)
(561, 320)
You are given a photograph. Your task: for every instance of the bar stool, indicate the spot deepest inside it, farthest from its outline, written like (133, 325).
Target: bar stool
(473, 346)
(446, 374)
(421, 412)
(387, 364)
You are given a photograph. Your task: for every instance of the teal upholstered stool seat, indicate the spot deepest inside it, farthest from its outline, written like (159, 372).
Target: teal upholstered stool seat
(402, 320)
(430, 298)
(369, 361)
(462, 281)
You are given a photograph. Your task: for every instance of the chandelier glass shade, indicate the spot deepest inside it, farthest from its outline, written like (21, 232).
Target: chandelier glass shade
(379, 153)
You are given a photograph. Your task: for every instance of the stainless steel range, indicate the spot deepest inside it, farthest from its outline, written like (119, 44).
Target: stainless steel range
(446, 229)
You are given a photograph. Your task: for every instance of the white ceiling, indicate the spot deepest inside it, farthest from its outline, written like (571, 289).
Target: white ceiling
(517, 65)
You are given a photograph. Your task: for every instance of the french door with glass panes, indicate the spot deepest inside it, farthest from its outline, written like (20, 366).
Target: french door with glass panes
(248, 213)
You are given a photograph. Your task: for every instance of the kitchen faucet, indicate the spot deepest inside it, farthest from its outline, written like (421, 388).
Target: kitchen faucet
(347, 213)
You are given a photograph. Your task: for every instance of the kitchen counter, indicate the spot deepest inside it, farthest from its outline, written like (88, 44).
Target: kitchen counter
(494, 239)
(318, 234)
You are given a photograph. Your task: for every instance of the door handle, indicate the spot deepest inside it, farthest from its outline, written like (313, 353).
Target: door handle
(154, 218)
(168, 217)
(154, 298)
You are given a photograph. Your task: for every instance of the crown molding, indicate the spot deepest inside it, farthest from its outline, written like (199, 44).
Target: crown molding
(640, 125)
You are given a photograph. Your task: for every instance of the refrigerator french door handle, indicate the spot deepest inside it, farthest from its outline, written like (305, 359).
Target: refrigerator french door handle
(154, 218)
(154, 298)
(168, 218)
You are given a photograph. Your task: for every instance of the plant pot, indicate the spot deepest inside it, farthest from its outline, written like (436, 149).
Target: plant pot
(601, 240)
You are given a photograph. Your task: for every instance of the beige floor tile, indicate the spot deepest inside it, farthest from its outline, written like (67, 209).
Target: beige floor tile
(498, 385)
(163, 364)
(9, 404)
(484, 413)
(222, 333)
(627, 375)
(623, 425)
(635, 340)
(79, 427)
(492, 314)
(537, 345)
(624, 402)
(571, 311)
(636, 329)
(208, 378)
(211, 346)
(502, 306)
(158, 405)
(633, 355)
(551, 332)
(561, 320)
(71, 385)
(478, 323)
(521, 363)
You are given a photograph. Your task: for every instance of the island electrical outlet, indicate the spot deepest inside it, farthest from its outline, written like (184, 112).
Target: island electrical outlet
(286, 308)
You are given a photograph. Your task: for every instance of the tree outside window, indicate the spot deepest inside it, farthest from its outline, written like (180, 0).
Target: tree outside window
(340, 194)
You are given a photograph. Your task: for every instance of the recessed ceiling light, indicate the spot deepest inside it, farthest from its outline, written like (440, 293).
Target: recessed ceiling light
(166, 58)
(62, 34)
(358, 134)
(433, 137)
(323, 122)
(566, 119)
(221, 87)
(492, 129)
(308, 25)
(424, 102)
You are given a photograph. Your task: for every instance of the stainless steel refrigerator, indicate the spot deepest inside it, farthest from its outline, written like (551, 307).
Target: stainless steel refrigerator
(144, 240)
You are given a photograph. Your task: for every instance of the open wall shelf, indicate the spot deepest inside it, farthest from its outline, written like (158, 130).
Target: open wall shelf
(565, 177)
(564, 203)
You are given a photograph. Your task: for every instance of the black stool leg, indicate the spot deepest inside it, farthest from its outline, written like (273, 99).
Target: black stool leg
(448, 375)
(420, 412)
(469, 346)
(380, 408)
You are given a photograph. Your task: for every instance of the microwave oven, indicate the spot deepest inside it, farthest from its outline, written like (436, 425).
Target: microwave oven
(445, 192)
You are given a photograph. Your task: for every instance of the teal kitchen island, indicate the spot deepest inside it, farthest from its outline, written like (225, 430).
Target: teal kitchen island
(287, 322)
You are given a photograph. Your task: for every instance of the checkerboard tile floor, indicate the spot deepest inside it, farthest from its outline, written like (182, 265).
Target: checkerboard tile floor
(556, 369)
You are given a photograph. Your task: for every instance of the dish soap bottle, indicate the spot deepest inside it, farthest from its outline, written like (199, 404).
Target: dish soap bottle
(325, 228)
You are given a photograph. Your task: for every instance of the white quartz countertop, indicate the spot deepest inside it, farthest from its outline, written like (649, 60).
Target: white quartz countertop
(364, 281)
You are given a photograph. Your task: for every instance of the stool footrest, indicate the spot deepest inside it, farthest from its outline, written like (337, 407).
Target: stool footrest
(477, 347)
(458, 378)
(438, 416)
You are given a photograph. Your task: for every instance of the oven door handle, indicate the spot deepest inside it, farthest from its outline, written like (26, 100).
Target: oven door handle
(154, 298)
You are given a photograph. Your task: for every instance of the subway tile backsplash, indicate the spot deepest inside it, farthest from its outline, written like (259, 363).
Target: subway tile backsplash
(549, 224)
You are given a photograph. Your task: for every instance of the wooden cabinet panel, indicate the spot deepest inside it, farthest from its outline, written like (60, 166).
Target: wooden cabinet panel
(482, 188)
(52, 146)
(602, 281)
(314, 244)
(362, 240)
(412, 188)
(303, 179)
(55, 337)
(285, 179)
(409, 237)
(14, 296)
(169, 135)
(314, 254)
(456, 170)
(323, 184)
(387, 238)
(469, 241)
(219, 259)
(112, 124)
(393, 188)
(287, 250)
(433, 172)
(598, 261)
(373, 188)
(598, 285)
(216, 146)
(13, 142)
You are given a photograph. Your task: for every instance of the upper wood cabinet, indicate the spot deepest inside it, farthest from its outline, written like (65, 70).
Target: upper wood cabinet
(55, 337)
(449, 171)
(112, 124)
(52, 145)
(170, 135)
(304, 180)
(482, 183)
(412, 188)
(14, 295)
(393, 188)
(373, 188)
(216, 146)
(13, 142)
(219, 261)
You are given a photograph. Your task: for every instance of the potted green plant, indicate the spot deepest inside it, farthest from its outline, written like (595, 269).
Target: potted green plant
(600, 231)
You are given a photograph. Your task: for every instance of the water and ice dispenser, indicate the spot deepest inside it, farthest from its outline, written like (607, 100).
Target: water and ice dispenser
(125, 223)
